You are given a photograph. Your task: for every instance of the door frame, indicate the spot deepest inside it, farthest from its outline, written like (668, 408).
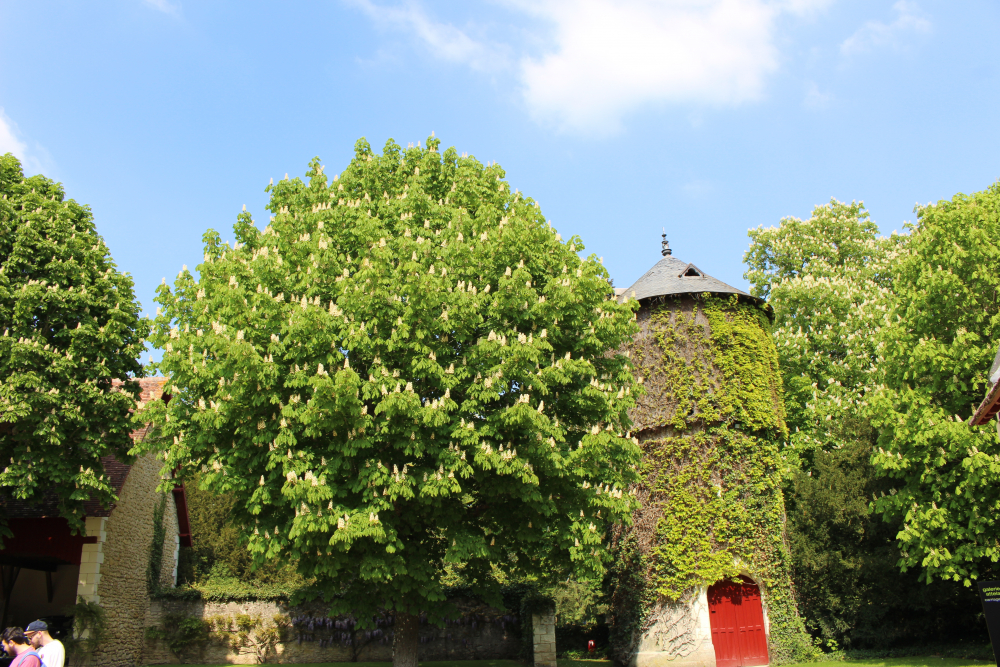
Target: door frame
(746, 579)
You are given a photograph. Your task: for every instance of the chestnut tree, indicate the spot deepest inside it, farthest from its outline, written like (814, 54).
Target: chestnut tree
(407, 367)
(70, 326)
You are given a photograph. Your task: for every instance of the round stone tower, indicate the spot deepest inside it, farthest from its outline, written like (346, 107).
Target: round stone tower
(701, 577)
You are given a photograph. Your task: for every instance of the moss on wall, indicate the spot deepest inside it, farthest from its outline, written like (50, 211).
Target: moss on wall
(153, 571)
(171, 541)
(711, 425)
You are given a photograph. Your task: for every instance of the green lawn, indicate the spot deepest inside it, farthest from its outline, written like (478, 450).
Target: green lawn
(901, 662)
(455, 663)
(888, 662)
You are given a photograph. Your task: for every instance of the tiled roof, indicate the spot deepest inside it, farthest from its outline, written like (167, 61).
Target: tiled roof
(150, 389)
(674, 276)
(117, 472)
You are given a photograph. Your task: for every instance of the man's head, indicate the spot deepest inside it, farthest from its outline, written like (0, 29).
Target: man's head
(14, 641)
(37, 633)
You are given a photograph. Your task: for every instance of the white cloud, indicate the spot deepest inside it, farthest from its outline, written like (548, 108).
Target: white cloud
(874, 34)
(804, 7)
(164, 6)
(697, 188)
(595, 61)
(612, 57)
(815, 98)
(442, 39)
(34, 159)
(9, 141)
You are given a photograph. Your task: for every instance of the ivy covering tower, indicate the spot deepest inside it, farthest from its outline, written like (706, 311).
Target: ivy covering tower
(710, 528)
(69, 326)
(406, 368)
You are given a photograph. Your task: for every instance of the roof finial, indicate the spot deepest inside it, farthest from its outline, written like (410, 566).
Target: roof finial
(666, 246)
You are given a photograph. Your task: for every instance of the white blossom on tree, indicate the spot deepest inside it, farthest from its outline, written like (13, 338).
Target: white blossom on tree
(399, 372)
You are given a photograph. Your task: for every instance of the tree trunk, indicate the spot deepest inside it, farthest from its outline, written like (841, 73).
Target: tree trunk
(405, 640)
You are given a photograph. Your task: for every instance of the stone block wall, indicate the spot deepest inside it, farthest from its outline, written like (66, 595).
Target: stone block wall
(543, 630)
(679, 635)
(481, 633)
(92, 559)
(121, 562)
(171, 543)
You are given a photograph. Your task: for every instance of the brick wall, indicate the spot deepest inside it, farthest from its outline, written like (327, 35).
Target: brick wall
(491, 637)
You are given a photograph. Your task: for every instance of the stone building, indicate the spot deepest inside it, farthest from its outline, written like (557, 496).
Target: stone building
(46, 569)
(701, 576)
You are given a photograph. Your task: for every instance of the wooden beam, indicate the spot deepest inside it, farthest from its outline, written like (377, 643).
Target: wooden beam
(988, 408)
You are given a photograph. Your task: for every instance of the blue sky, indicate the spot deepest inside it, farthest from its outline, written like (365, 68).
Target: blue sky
(620, 117)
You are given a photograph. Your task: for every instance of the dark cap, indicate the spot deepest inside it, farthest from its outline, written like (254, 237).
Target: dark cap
(37, 626)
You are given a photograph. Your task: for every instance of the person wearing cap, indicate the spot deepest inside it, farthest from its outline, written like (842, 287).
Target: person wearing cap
(51, 650)
(16, 645)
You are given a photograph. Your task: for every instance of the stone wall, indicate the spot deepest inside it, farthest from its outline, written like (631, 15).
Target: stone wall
(171, 544)
(709, 441)
(679, 634)
(121, 585)
(543, 630)
(482, 633)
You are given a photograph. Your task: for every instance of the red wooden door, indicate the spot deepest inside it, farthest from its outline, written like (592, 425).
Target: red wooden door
(737, 620)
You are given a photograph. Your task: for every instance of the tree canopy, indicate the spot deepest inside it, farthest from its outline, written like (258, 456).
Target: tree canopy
(406, 368)
(938, 345)
(841, 332)
(828, 280)
(71, 326)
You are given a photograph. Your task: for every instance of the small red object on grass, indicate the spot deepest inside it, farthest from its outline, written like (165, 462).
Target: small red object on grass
(591, 646)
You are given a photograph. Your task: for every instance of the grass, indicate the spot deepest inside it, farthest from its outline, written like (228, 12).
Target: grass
(915, 661)
(454, 663)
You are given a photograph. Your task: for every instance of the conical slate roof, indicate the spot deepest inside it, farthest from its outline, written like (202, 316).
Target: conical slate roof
(674, 276)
